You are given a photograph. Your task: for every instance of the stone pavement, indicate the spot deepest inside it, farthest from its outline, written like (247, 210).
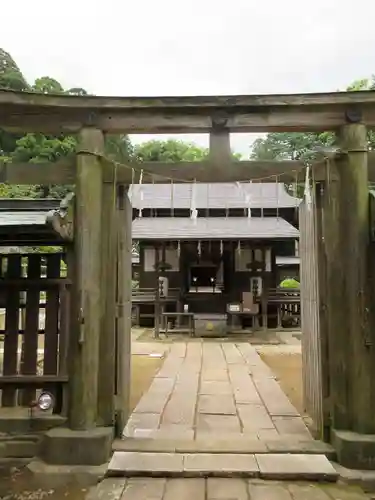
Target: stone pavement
(210, 390)
(216, 409)
(219, 489)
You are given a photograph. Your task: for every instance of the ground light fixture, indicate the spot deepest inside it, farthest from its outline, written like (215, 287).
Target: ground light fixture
(45, 401)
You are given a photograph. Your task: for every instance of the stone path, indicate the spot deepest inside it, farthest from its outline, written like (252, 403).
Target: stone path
(219, 489)
(212, 390)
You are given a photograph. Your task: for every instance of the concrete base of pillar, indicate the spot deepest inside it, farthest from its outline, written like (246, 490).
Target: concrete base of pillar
(63, 446)
(354, 451)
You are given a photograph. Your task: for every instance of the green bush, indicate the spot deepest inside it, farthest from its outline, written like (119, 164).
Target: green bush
(289, 283)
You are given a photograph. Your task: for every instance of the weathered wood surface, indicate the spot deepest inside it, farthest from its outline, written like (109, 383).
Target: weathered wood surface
(107, 365)
(355, 321)
(310, 316)
(87, 300)
(21, 298)
(157, 172)
(123, 333)
(24, 111)
(60, 172)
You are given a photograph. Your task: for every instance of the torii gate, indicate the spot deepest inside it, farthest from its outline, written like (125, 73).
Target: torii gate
(102, 224)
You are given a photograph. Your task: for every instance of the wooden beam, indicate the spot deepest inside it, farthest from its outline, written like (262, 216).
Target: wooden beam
(60, 172)
(208, 171)
(87, 301)
(22, 111)
(63, 172)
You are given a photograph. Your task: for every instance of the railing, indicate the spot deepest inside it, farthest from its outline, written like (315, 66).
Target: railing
(34, 315)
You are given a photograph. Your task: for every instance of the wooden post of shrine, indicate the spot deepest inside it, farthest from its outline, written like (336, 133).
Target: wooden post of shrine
(87, 300)
(352, 381)
(124, 297)
(106, 373)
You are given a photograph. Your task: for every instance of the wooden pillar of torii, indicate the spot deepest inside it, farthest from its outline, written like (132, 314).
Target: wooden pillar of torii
(101, 320)
(348, 296)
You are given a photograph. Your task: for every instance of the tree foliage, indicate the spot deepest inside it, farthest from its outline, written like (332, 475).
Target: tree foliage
(304, 145)
(38, 148)
(169, 151)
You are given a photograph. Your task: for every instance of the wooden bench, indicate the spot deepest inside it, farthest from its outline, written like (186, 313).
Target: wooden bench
(169, 315)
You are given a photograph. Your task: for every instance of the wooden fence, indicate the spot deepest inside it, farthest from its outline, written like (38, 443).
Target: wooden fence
(34, 315)
(310, 315)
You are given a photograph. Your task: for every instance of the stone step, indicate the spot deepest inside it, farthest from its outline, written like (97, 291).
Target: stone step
(20, 445)
(241, 445)
(219, 488)
(264, 466)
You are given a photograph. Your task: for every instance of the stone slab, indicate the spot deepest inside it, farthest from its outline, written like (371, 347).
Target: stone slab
(254, 418)
(185, 489)
(214, 374)
(219, 405)
(215, 423)
(275, 400)
(165, 433)
(225, 488)
(108, 489)
(220, 465)
(128, 464)
(152, 402)
(162, 385)
(308, 492)
(55, 476)
(291, 425)
(149, 421)
(269, 491)
(144, 488)
(209, 444)
(289, 444)
(180, 410)
(296, 466)
(211, 387)
(62, 446)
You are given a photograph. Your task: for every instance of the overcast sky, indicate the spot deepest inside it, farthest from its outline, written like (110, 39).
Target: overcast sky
(191, 47)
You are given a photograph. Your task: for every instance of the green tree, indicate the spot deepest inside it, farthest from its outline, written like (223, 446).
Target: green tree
(290, 145)
(76, 91)
(118, 148)
(10, 75)
(47, 85)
